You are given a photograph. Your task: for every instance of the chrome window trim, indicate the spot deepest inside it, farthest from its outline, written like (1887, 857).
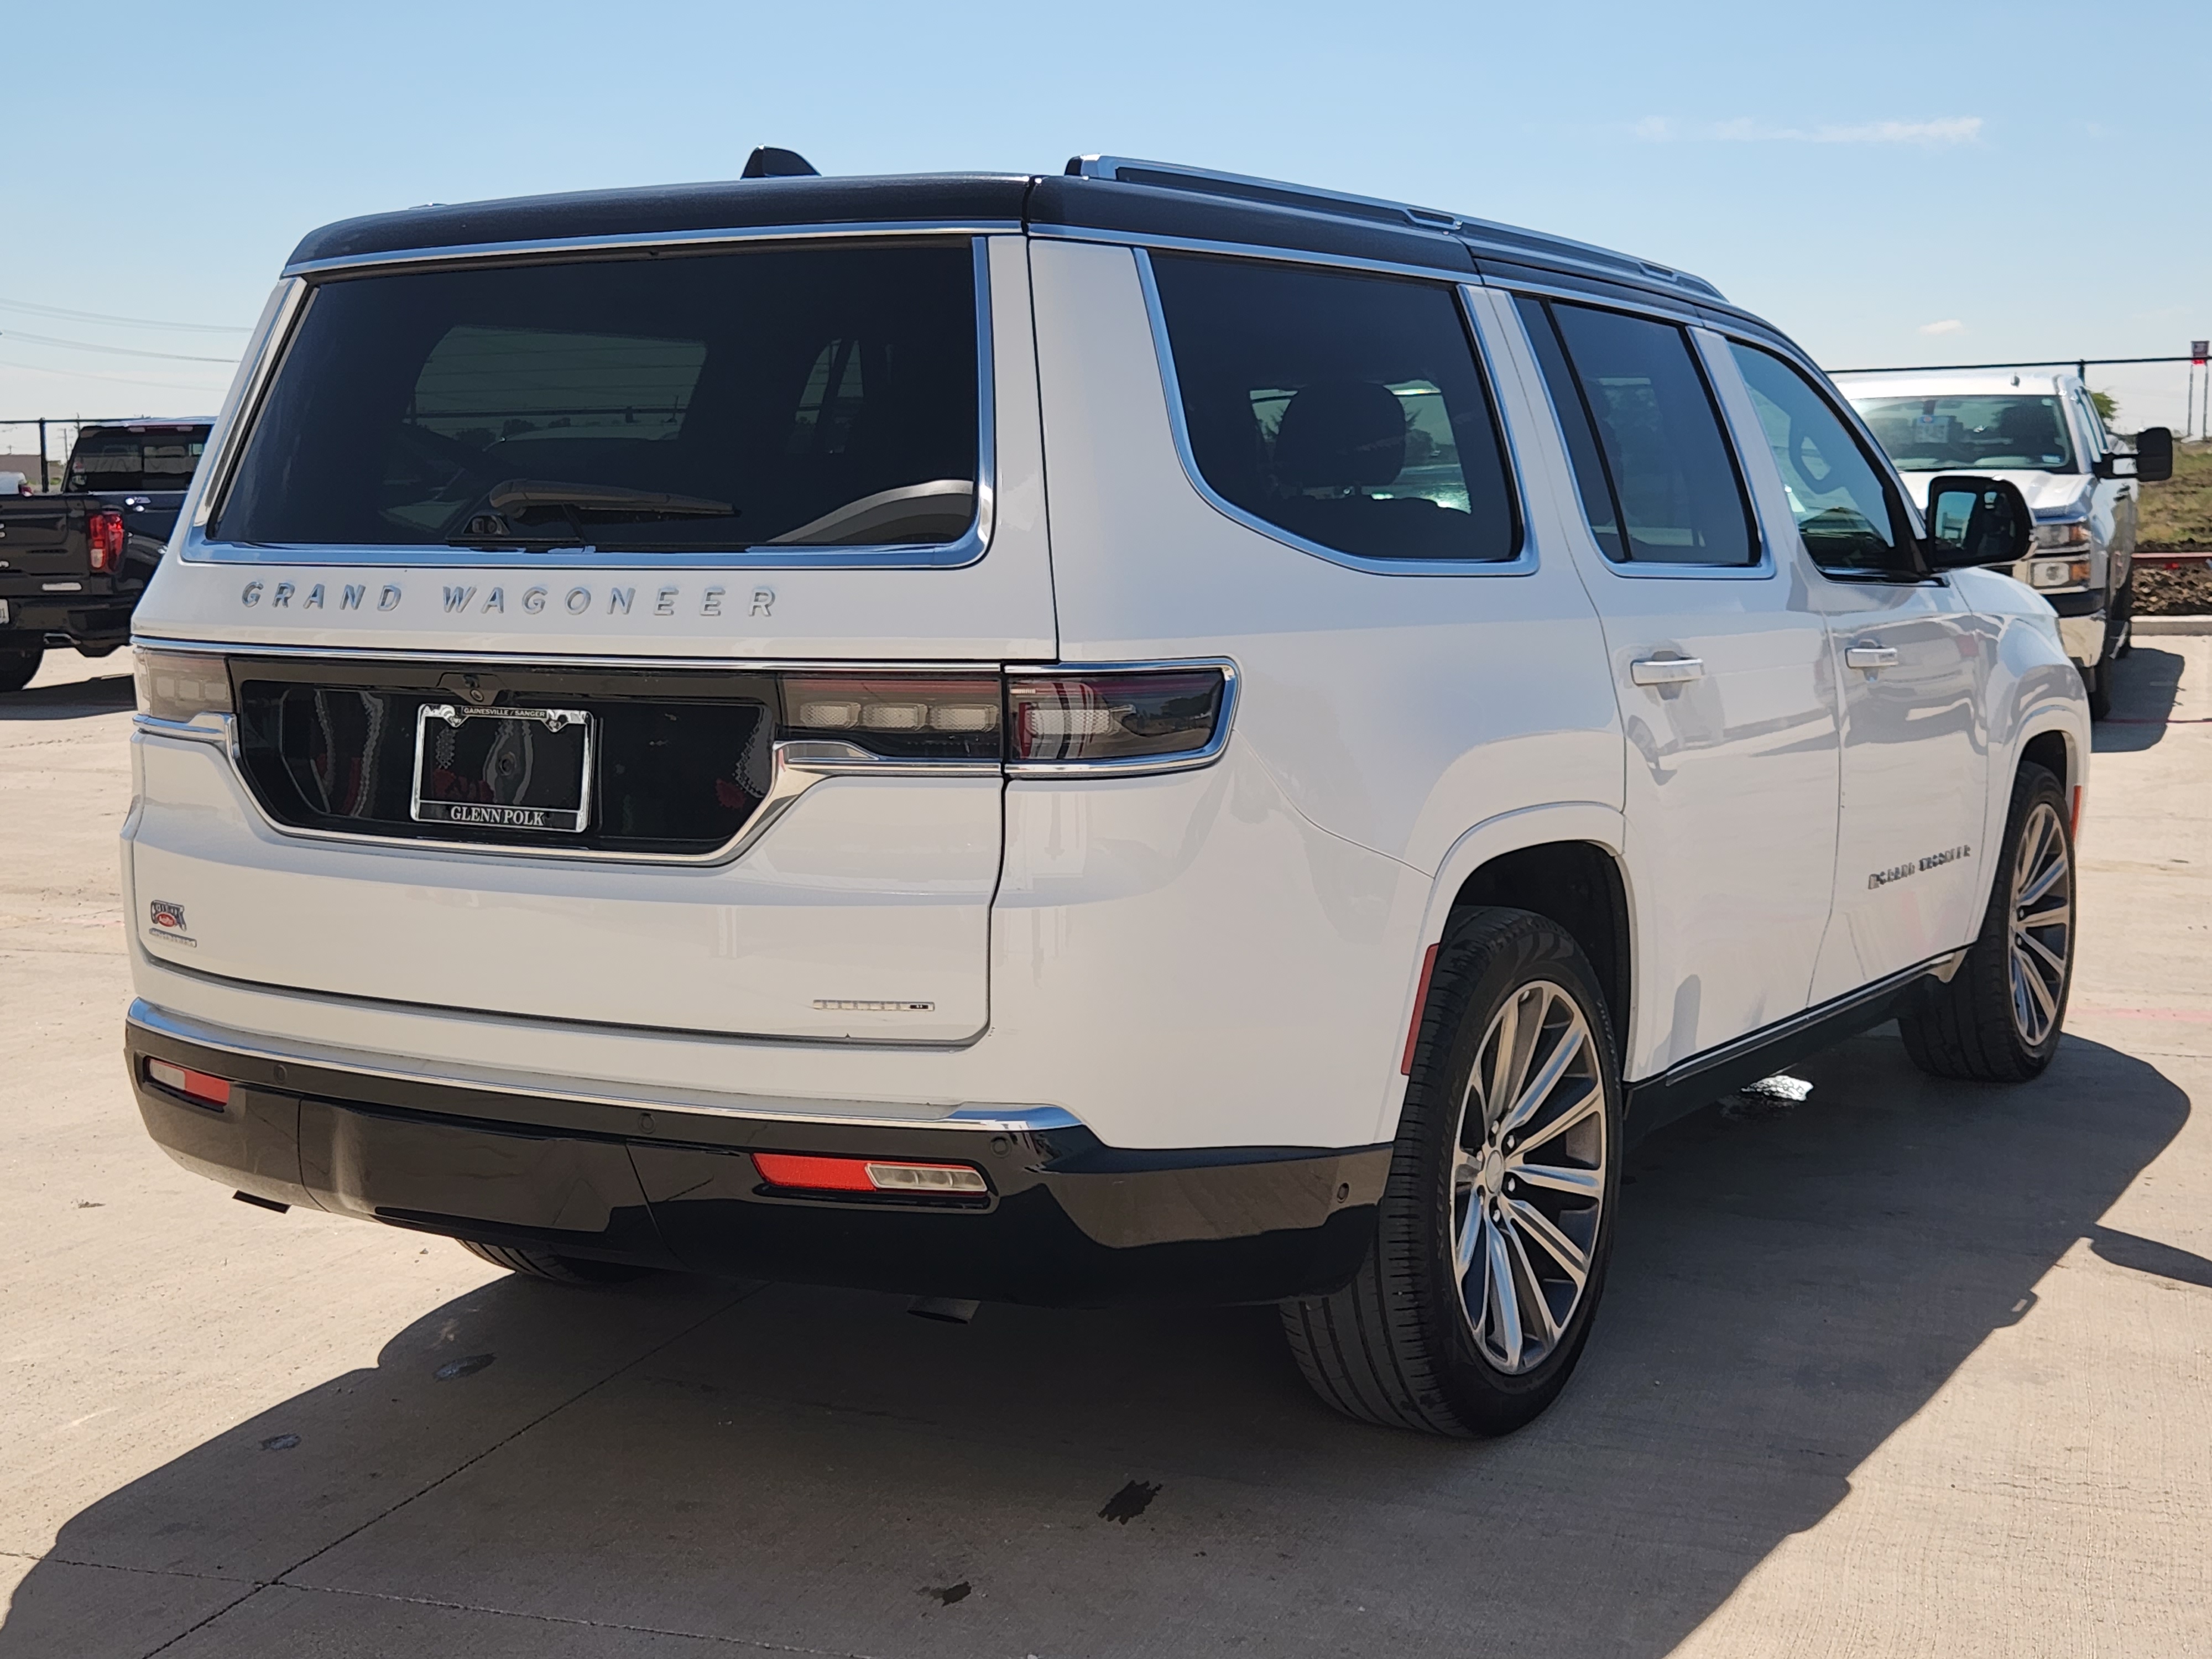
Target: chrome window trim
(195, 546)
(986, 1118)
(459, 252)
(1522, 563)
(239, 404)
(1136, 766)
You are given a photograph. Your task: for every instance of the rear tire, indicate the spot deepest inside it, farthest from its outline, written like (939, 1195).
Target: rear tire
(1496, 1221)
(1999, 1017)
(18, 664)
(554, 1269)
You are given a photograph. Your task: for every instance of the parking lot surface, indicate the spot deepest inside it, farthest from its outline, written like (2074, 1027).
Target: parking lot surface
(1907, 1368)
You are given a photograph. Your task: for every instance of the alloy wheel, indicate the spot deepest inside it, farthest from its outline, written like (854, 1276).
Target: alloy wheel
(1529, 1176)
(2042, 917)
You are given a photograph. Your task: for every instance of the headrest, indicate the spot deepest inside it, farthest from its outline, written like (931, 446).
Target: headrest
(2032, 425)
(1336, 432)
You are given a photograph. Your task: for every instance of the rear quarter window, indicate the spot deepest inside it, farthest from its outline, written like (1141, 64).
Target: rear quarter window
(1347, 410)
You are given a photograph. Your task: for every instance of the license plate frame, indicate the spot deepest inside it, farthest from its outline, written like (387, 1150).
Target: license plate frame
(553, 816)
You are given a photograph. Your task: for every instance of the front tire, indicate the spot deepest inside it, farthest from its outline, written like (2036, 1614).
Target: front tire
(1495, 1222)
(2098, 684)
(554, 1269)
(1998, 1018)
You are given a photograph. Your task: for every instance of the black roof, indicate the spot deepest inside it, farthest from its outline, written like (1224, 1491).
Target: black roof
(1141, 198)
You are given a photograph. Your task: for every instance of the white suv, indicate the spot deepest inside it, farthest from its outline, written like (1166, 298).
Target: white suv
(2042, 431)
(1122, 735)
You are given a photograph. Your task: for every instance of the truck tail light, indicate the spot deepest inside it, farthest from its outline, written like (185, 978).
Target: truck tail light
(1116, 718)
(864, 1175)
(103, 534)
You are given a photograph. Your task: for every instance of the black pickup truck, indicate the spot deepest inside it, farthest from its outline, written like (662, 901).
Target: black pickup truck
(73, 563)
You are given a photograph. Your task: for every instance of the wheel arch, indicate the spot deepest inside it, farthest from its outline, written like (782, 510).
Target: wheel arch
(1565, 863)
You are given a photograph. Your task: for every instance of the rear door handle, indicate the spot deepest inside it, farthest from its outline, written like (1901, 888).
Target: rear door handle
(1667, 670)
(1870, 657)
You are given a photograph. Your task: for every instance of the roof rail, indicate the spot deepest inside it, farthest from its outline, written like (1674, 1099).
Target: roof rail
(1506, 241)
(1173, 175)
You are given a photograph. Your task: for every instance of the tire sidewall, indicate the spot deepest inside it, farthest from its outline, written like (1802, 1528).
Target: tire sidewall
(1506, 950)
(2034, 786)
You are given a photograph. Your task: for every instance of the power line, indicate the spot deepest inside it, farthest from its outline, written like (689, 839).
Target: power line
(114, 351)
(126, 322)
(2038, 362)
(87, 374)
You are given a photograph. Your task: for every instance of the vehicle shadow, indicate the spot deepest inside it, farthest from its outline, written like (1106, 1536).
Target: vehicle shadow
(2145, 683)
(70, 700)
(814, 1469)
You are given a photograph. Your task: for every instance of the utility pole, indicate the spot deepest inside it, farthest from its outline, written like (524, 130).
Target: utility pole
(45, 484)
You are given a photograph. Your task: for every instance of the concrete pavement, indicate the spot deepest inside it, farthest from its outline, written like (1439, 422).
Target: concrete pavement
(1907, 1368)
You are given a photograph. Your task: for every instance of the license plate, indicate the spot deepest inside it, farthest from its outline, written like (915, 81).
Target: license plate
(504, 768)
(4, 613)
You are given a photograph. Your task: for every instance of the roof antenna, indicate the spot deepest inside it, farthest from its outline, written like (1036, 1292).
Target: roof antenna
(766, 161)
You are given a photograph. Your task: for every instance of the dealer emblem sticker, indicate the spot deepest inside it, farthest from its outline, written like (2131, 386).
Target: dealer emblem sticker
(168, 922)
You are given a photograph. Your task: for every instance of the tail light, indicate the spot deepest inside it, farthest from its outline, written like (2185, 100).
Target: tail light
(103, 534)
(1059, 721)
(903, 717)
(1116, 718)
(179, 685)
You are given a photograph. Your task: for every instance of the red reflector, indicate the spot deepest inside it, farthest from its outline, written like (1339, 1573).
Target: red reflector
(211, 1090)
(2073, 828)
(864, 1174)
(821, 1175)
(103, 534)
(1421, 1001)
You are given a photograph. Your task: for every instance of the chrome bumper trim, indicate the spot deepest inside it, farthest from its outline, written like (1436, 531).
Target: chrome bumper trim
(986, 1118)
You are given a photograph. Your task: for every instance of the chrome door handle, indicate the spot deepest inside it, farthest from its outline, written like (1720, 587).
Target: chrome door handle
(1667, 670)
(1870, 657)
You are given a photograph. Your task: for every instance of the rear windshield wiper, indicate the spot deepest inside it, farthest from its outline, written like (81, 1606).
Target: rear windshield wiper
(523, 493)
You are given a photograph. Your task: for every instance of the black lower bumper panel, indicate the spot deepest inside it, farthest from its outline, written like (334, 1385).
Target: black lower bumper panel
(1067, 1221)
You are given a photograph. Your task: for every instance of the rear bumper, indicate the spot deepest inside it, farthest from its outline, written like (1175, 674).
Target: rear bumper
(1068, 1221)
(99, 619)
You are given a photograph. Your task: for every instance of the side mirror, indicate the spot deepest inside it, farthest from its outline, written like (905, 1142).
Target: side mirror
(1976, 521)
(2155, 455)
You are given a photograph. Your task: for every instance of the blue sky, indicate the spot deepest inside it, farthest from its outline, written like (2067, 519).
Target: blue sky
(1890, 184)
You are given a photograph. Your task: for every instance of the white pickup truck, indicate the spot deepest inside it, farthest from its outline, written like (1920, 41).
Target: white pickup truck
(2042, 431)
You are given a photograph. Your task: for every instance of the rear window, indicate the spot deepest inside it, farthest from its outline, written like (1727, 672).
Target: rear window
(1347, 410)
(819, 396)
(137, 458)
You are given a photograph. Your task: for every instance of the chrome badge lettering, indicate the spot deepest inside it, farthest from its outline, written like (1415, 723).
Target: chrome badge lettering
(1932, 861)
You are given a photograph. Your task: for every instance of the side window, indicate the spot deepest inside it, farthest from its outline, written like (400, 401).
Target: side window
(1675, 496)
(1573, 422)
(1347, 410)
(2093, 426)
(1843, 507)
